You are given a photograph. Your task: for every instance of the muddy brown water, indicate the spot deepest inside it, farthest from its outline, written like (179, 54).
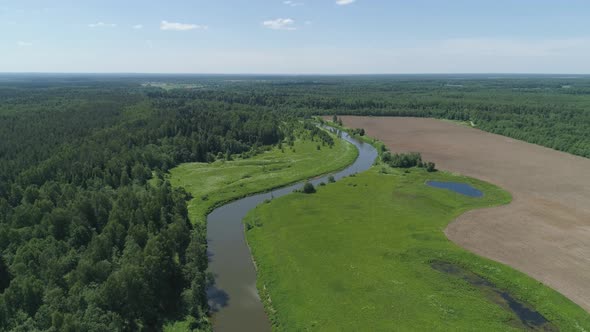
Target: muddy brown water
(233, 299)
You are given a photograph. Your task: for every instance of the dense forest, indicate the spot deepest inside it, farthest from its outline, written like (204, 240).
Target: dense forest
(87, 244)
(545, 110)
(92, 237)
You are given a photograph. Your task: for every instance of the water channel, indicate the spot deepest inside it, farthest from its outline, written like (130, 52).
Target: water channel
(233, 298)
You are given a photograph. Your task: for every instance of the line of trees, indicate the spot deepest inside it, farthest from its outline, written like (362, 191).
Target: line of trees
(407, 160)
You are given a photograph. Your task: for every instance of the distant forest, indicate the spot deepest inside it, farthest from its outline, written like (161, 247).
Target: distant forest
(89, 243)
(544, 110)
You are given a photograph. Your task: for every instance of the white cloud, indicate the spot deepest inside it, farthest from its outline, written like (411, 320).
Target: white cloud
(138, 27)
(292, 3)
(280, 24)
(344, 2)
(101, 25)
(172, 26)
(21, 43)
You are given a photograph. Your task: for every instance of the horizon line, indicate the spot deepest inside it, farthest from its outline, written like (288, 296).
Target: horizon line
(282, 74)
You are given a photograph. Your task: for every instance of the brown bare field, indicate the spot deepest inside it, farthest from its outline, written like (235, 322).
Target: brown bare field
(544, 232)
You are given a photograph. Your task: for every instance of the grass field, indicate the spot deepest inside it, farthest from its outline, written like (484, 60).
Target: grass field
(357, 256)
(216, 183)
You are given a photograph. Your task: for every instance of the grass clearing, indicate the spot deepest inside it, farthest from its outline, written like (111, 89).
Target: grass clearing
(357, 256)
(222, 181)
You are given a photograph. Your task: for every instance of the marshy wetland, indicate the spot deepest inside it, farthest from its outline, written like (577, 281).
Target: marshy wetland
(460, 188)
(528, 318)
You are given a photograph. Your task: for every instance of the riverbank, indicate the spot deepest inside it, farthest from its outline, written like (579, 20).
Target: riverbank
(213, 185)
(359, 254)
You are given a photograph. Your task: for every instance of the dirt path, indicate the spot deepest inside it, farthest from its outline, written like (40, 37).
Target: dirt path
(544, 232)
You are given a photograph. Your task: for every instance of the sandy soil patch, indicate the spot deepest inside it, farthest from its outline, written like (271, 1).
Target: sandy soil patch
(544, 232)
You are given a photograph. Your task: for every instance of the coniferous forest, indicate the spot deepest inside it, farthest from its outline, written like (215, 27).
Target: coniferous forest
(93, 237)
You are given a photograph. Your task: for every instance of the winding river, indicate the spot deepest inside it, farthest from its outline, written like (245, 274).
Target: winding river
(233, 298)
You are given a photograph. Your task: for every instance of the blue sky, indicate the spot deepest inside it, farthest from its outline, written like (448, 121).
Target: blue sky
(295, 37)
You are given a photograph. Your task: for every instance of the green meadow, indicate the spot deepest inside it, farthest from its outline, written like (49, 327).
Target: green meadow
(212, 184)
(357, 255)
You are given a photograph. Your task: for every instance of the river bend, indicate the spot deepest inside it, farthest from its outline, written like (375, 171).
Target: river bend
(234, 299)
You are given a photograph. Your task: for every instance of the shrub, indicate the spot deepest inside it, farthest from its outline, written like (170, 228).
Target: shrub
(331, 179)
(386, 157)
(308, 188)
(430, 166)
(405, 160)
(358, 131)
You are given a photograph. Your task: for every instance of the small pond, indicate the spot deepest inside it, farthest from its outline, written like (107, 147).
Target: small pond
(528, 317)
(458, 187)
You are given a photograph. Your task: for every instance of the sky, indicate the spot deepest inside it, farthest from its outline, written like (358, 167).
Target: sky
(295, 36)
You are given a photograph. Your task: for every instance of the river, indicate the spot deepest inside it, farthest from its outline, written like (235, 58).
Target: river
(234, 299)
